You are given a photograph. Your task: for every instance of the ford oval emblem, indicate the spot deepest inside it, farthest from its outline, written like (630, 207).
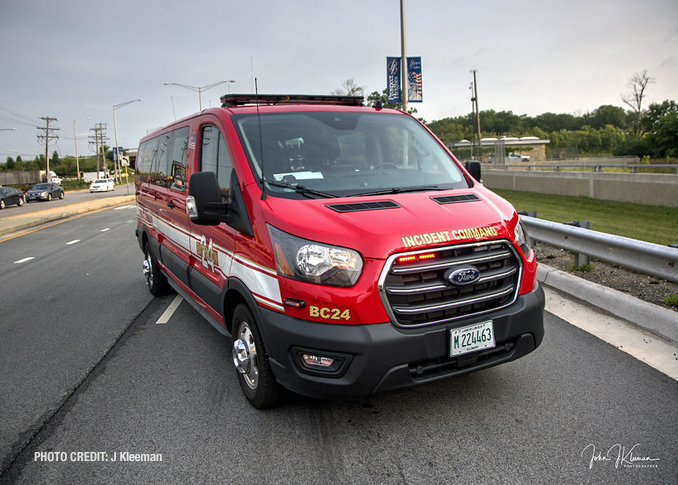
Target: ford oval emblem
(463, 276)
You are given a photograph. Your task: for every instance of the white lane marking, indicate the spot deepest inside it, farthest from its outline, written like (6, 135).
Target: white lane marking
(24, 260)
(74, 241)
(106, 229)
(654, 351)
(164, 318)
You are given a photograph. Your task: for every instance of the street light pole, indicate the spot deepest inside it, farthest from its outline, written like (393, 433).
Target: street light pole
(75, 135)
(406, 88)
(199, 89)
(115, 128)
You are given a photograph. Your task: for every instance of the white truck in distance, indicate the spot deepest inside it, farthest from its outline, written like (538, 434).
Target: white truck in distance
(517, 157)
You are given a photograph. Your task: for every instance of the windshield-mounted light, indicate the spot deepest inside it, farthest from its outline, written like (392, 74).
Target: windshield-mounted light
(314, 262)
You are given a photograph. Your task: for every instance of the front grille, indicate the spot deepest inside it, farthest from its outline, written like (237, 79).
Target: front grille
(419, 291)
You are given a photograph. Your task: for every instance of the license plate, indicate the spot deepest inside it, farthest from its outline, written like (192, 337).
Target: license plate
(469, 339)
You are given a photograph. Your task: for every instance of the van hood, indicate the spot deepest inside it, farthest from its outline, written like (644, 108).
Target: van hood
(380, 226)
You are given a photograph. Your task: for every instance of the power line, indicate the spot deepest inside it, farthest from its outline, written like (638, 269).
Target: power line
(24, 119)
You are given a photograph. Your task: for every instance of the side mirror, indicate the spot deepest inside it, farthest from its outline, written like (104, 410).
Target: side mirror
(473, 167)
(203, 204)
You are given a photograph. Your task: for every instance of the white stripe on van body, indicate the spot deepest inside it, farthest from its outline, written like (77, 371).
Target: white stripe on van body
(260, 280)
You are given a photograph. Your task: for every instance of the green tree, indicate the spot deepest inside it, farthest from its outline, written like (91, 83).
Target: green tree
(661, 121)
(10, 163)
(606, 115)
(376, 99)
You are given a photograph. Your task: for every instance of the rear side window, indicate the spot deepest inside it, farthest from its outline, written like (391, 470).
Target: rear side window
(163, 159)
(177, 157)
(215, 157)
(147, 152)
(160, 170)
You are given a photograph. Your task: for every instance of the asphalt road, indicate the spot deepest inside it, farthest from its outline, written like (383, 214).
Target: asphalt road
(71, 197)
(89, 374)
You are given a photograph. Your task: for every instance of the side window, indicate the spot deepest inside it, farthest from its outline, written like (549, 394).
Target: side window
(147, 151)
(177, 156)
(160, 173)
(215, 157)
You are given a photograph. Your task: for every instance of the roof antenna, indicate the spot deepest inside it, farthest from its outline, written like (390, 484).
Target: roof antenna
(261, 143)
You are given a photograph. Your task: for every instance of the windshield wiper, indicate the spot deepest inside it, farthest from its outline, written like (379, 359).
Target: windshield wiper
(400, 190)
(300, 189)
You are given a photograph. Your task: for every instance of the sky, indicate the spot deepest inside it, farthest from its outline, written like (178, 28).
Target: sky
(76, 59)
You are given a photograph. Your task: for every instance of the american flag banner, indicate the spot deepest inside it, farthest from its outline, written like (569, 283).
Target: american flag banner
(415, 90)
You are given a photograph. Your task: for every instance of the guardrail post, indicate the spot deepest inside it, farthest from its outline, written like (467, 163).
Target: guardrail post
(530, 241)
(581, 259)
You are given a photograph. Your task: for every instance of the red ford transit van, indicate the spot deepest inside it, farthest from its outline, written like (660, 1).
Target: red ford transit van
(342, 248)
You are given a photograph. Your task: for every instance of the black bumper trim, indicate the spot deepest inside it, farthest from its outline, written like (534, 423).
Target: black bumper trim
(387, 358)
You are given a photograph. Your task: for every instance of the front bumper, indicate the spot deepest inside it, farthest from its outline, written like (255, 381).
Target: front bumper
(381, 357)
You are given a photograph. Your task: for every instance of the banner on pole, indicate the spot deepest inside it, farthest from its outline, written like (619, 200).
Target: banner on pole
(415, 92)
(393, 80)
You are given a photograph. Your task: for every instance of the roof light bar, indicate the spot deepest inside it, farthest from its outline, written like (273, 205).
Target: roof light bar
(230, 100)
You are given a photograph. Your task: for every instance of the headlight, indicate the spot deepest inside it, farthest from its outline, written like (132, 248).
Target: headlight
(521, 239)
(314, 262)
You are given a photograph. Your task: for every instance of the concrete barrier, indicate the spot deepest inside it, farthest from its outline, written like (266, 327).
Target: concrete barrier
(648, 189)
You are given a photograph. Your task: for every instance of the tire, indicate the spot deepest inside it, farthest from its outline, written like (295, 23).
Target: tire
(49, 197)
(21, 202)
(61, 195)
(255, 376)
(2, 204)
(156, 281)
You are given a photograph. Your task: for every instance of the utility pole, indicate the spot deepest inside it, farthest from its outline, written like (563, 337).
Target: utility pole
(475, 100)
(99, 134)
(46, 137)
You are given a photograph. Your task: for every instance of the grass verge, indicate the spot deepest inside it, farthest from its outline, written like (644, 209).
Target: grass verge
(655, 224)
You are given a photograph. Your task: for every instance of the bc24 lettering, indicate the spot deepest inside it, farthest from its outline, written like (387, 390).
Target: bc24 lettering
(329, 313)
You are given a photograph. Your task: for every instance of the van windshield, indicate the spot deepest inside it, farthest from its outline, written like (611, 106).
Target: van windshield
(344, 154)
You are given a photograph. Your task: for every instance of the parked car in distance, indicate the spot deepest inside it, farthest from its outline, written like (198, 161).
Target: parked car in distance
(9, 196)
(45, 191)
(102, 185)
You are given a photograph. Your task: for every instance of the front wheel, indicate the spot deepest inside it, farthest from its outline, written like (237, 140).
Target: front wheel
(2, 204)
(21, 201)
(49, 197)
(249, 357)
(156, 281)
(61, 195)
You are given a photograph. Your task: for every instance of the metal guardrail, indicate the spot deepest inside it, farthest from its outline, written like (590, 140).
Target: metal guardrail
(595, 168)
(643, 257)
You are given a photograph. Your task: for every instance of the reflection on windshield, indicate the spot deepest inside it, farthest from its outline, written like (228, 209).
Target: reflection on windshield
(345, 153)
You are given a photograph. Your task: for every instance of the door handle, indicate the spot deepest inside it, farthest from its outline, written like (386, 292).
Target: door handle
(170, 204)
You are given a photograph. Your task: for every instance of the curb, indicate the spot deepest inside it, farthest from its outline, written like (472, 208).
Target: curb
(651, 318)
(12, 224)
